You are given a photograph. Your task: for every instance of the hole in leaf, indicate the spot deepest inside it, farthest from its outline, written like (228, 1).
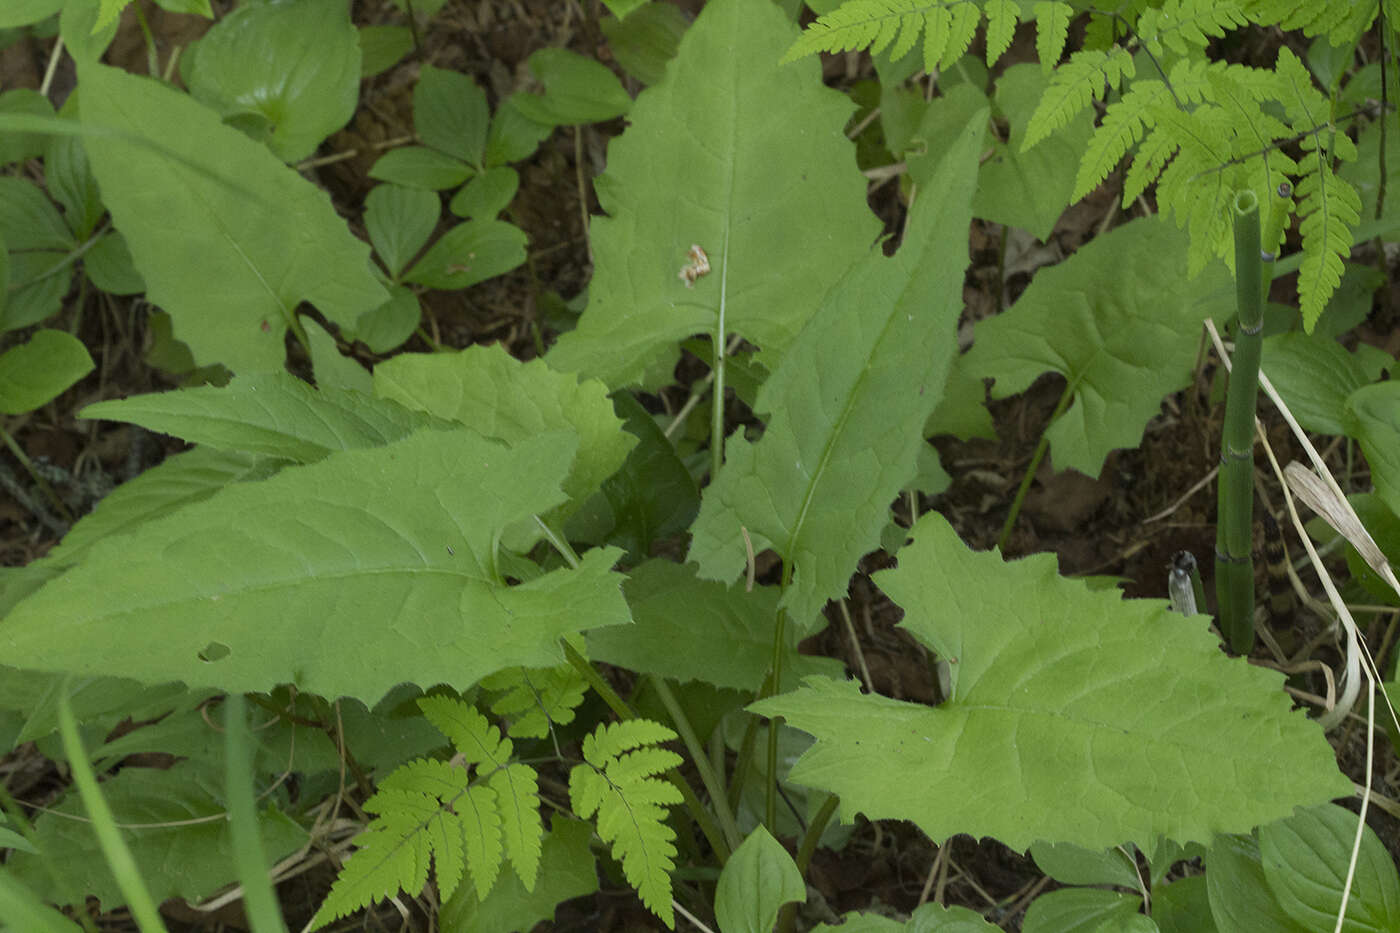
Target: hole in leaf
(215, 651)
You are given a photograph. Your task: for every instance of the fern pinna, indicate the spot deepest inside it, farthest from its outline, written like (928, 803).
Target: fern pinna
(471, 814)
(1199, 131)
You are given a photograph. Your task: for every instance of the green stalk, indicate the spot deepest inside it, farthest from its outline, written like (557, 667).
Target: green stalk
(259, 902)
(713, 785)
(1029, 477)
(109, 838)
(1234, 563)
(806, 849)
(717, 340)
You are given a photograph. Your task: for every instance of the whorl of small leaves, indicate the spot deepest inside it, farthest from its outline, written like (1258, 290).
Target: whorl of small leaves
(617, 781)
(948, 27)
(465, 819)
(534, 699)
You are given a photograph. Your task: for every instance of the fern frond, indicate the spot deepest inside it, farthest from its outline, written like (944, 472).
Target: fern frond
(1124, 123)
(1001, 27)
(1181, 24)
(617, 781)
(1194, 186)
(394, 851)
(1085, 77)
(861, 24)
(535, 698)
(1159, 146)
(438, 811)
(1051, 29)
(1330, 208)
(475, 739)
(1341, 23)
(962, 26)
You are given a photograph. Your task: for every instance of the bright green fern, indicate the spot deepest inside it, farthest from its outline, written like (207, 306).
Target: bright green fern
(468, 815)
(947, 26)
(534, 699)
(1200, 131)
(618, 782)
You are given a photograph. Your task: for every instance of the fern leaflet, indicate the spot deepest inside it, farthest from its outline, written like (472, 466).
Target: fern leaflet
(1341, 23)
(533, 699)
(1085, 77)
(1180, 24)
(617, 780)
(1051, 29)
(466, 821)
(947, 27)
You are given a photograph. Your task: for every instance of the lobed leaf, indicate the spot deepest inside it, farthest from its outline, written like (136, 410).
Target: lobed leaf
(1119, 321)
(1074, 716)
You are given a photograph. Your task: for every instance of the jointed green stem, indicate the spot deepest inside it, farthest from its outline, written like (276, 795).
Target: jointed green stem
(1234, 564)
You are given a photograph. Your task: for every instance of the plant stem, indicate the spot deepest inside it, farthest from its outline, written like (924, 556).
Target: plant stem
(259, 902)
(1037, 456)
(114, 850)
(39, 481)
(720, 351)
(805, 850)
(713, 785)
(1234, 563)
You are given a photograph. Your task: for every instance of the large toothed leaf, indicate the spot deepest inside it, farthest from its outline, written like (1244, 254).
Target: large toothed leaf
(1075, 716)
(274, 414)
(848, 405)
(1120, 320)
(227, 237)
(358, 572)
(498, 396)
(697, 167)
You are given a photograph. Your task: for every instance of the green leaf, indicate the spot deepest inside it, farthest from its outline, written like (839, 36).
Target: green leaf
(1047, 735)
(576, 90)
(501, 398)
(173, 823)
(383, 47)
(39, 370)
(566, 871)
(1120, 321)
(1001, 28)
(110, 267)
(420, 167)
(1374, 420)
(513, 135)
(1079, 910)
(450, 114)
(273, 414)
(28, 221)
(487, 194)
(334, 370)
(930, 918)
(70, 183)
(295, 64)
(25, 12)
(24, 909)
(16, 147)
(228, 239)
(688, 629)
(847, 406)
(617, 781)
(1070, 864)
(759, 878)
(1183, 906)
(1240, 898)
(646, 40)
(1315, 375)
(384, 558)
(778, 232)
(470, 252)
(1051, 28)
(38, 281)
(388, 326)
(1306, 860)
(399, 221)
(1028, 189)
(179, 480)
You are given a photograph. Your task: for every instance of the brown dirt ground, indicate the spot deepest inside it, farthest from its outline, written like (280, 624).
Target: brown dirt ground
(1126, 523)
